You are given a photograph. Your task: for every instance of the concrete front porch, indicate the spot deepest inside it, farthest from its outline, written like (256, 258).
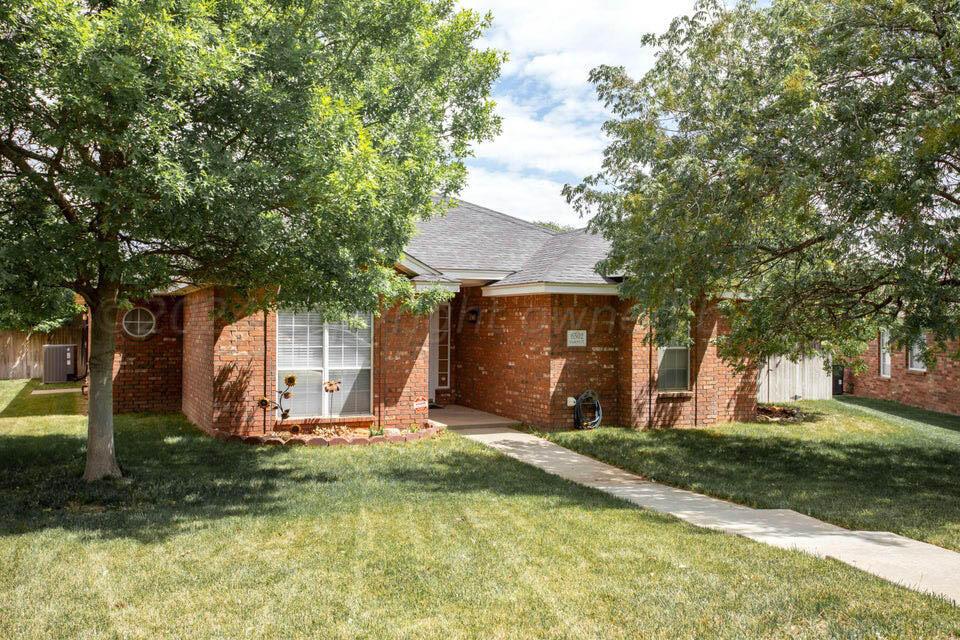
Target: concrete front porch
(454, 416)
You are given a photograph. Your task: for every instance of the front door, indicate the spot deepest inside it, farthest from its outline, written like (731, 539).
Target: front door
(837, 380)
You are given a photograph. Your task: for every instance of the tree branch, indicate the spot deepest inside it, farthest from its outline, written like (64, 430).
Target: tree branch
(12, 154)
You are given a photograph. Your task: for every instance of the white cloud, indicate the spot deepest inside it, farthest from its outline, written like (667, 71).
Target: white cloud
(566, 69)
(551, 117)
(533, 199)
(549, 144)
(597, 31)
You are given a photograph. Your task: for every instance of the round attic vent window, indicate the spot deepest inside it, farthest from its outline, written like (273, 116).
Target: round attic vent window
(139, 322)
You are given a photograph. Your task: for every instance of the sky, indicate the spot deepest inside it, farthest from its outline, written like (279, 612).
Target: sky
(551, 116)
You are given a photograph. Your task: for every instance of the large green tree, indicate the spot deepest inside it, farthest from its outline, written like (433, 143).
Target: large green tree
(803, 156)
(284, 146)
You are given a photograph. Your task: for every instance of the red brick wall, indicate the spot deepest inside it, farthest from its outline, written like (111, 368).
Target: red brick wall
(937, 389)
(198, 343)
(502, 355)
(243, 367)
(573, 370)
(717, 392)
(147, 371)
(515, 362)
(511, 359)
(244, 370)
(636, 367)
(401, 367)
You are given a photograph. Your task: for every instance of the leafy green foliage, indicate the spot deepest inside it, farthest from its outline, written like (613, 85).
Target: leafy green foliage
(282, 148)
(803, 156)
(285, 147)
(555, 226)
(47, 313)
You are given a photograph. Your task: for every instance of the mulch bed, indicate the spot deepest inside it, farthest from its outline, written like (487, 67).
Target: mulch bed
(333, 436)
(778, 413)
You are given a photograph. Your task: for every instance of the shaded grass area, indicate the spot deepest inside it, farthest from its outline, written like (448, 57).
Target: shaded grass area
(438, 539)
(16, 400)
(858, 463)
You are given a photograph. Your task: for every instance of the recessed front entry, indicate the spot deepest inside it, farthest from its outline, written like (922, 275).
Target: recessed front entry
(439, 350)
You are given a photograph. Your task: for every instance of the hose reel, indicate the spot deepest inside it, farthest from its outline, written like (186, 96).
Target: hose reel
(587, 412)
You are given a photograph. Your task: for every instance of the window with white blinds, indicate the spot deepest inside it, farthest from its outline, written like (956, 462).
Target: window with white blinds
(318, 352)
(673, 372)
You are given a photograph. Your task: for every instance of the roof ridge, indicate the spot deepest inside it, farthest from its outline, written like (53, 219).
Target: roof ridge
(507, 217)
(573, 231)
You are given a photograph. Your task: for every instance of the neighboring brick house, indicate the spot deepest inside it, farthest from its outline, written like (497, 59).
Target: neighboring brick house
(902, 376)
(531, 324)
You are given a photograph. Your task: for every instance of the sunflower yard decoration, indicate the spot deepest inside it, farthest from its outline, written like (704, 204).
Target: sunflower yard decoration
(265, 403)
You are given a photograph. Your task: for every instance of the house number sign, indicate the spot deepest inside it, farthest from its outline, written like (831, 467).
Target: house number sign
(577, 338)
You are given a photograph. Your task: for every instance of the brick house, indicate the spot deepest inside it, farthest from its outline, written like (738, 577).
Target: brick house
(531, 324)
(903, 376)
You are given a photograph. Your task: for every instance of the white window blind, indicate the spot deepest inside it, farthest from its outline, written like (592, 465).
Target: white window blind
(673, 373)
(318, 352)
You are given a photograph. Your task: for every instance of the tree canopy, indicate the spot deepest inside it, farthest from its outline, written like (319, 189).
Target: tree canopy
(46, 313)
(278, 146)
(802, 159)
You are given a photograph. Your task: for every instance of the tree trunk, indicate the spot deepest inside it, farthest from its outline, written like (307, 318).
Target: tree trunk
(101, 459)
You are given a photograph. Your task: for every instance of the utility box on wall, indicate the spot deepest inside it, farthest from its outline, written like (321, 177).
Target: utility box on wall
(59, 363)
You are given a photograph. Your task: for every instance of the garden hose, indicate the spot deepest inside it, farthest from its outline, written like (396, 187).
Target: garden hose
(587, 401)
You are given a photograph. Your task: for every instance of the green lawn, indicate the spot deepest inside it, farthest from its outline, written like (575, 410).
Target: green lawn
(863, 464)
(437, 539)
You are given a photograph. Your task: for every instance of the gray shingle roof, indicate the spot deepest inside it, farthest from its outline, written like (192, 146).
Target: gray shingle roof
(474, 237)
(564, 258)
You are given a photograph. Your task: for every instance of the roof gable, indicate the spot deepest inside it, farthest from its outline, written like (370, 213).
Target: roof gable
(474, 237)
(564, 258)
(477, 243)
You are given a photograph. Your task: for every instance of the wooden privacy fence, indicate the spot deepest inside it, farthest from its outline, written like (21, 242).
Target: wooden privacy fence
(21, 352)
(782, 380)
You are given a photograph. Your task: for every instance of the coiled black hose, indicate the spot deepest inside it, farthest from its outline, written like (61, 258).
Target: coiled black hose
(585, 401)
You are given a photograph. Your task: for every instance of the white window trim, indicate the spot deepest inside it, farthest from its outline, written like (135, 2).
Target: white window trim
(326, 371)
(153, 325)
(449, 331)
(884, 352)
(660, 351)
(916, 364)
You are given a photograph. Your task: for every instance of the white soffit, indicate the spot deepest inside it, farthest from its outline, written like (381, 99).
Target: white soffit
(534, 288)
(417, 267)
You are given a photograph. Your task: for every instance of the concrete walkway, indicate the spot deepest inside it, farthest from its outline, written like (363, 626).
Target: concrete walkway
(454, 416)
(904, 561)
(53, 392)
